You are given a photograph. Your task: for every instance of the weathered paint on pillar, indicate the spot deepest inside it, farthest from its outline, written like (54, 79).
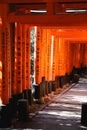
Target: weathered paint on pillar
(27, 57)
(19, 59)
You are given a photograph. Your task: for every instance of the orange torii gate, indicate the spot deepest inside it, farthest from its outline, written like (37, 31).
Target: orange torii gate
(6, 63)
(15, 60)
(53, 54)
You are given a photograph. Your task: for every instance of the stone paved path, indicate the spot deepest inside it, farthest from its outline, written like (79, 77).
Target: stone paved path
(63, 113)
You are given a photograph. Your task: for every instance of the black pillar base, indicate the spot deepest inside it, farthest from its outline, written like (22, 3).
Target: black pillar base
(37, 94)
(18, 96)
(53, 86)
(30, 97)
(23, 110)
(27, 94)
(84, 115)
(49, 86)
(5, 116)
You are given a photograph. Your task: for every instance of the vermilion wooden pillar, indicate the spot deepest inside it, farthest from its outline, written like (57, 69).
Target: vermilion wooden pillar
(69, 57)
(61, 59)
(54, 50)
(6, 55)
(43, 53)
(0, 59)
(85, 58)
(27, 52)
(19, 59)
(82, 55)
(66, 57)
(8, 40)
(77, 55)
(48, 58)
(57, 56)
(74, 54)
(84, 62)
(6, 63)
(13, 57)
(24, 56)
(38, 53)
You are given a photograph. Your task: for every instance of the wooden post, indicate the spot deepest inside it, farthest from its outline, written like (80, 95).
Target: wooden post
(13, 58)
(6, 64)
(0, 58)
(6, 56)
(43, 53)
(77, 55)
(19, 59)
(27, 57)
(55, 55)
(38, 58)
(24, 56)
(61, 59)
(49, 66)
(85, 58)
(44, 41)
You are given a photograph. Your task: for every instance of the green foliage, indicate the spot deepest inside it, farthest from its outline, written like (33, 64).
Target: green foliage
(32, 32)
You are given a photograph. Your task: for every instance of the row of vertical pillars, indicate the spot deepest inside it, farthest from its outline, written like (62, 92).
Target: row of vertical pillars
(15, 60)
(56, 56)
(15, 89)
(53, 59)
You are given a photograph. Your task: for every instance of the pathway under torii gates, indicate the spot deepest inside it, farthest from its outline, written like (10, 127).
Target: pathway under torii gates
(60, 37)
(61, 44)
(62, 113)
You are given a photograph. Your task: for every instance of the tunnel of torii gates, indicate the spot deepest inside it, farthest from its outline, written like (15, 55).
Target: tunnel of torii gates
(57, 51)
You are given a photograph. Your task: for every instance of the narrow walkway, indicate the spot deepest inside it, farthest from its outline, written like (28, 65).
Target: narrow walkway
(63, 113)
